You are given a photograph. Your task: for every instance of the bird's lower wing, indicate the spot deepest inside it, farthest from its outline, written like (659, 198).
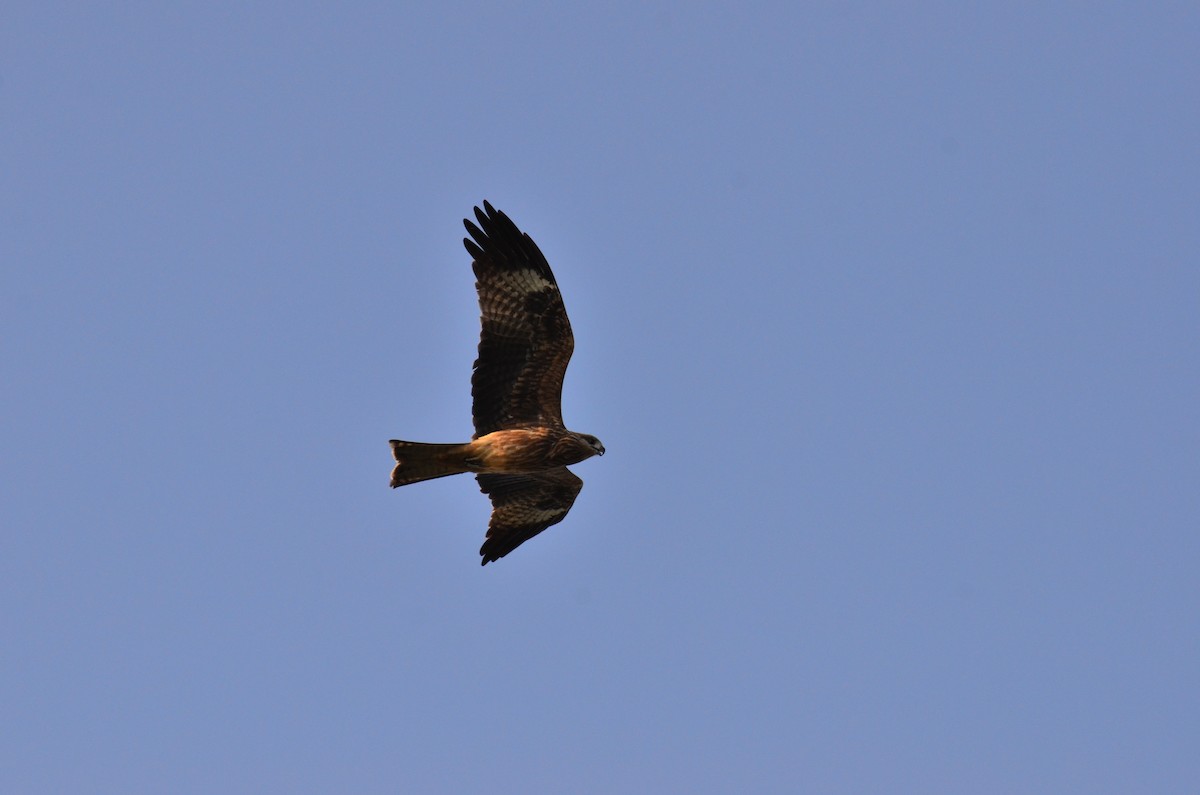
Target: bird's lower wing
(523, 506)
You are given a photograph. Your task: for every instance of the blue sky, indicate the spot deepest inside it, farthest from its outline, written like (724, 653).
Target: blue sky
(888, 315)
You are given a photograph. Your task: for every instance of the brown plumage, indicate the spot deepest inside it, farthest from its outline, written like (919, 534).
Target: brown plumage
(521, 449)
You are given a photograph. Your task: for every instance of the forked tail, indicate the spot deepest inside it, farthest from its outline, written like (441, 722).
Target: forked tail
(417, 461)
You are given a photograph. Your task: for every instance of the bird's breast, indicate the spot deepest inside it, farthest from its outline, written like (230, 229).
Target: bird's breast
(512, 451)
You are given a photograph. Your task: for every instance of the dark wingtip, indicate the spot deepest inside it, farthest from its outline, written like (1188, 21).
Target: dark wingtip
(497, 237)
(472, 248)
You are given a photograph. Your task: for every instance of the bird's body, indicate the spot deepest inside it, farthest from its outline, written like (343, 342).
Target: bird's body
(513, 452)
(521, 448)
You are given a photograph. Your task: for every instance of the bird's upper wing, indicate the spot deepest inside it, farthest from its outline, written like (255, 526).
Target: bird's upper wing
(523, 506)
(526, 339)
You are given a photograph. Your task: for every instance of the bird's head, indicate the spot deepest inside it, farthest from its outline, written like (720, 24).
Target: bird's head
(593, 442)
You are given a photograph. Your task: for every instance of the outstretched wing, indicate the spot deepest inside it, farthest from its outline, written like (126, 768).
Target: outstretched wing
(523, 506)
(526, 339)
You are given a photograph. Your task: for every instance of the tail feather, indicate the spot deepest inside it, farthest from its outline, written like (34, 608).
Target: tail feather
(417, 461)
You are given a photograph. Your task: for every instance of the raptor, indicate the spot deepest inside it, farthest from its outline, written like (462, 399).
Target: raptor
(521, 448)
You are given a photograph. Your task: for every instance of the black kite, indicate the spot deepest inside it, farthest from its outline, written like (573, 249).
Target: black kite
(521, 449)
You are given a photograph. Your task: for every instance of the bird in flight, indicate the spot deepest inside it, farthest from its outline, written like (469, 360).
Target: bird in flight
(521, 449)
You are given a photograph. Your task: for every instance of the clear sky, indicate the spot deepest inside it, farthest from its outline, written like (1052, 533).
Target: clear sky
(888, 315)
